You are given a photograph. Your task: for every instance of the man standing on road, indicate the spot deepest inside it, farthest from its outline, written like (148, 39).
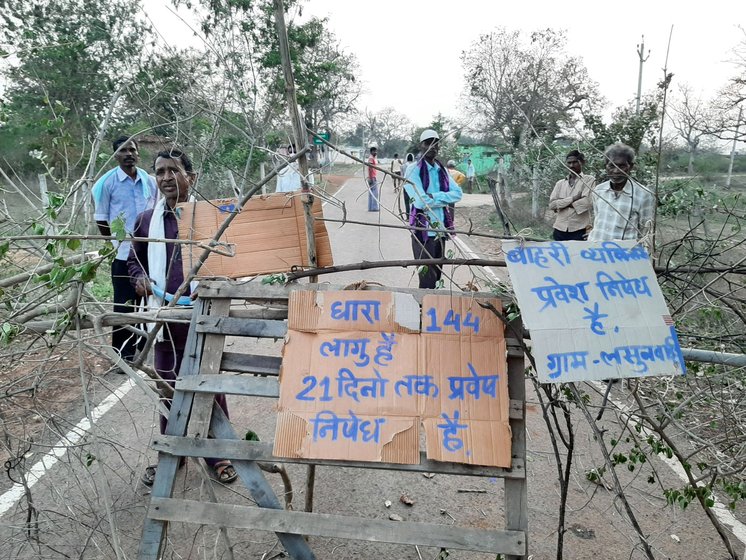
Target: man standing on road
(156, 268)
(431, 191)
(571, 201)
(396, 165)
(124, 192)
(623, 208)
(372, 176)
(471, 176)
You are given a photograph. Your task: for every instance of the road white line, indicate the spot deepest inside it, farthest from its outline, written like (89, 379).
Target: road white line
(721, 511)
(472, 255)
(59, 450)
(338, 191)
(16, 492)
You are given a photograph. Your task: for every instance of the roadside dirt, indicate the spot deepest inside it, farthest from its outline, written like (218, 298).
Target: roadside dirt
(41, 394)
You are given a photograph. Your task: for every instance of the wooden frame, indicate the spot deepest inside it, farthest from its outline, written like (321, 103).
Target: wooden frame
(193, 416)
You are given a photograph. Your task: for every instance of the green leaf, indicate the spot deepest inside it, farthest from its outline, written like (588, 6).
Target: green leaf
(107, 249)
(8, 332)
(87, 271)
(4, 248)
(73, 244)
(118, 229)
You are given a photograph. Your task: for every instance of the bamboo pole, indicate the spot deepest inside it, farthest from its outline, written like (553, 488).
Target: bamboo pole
(299, 129)
(301, 141)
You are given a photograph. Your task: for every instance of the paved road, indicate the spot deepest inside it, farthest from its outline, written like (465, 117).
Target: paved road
(70, 518)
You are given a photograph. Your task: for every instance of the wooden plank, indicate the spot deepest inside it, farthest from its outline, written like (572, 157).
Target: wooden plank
(212, 353)
(231, 326)
(239, 449)
(151, 543)
(514, 351)
(262, 387)
(259, 312)
(153, 531)
(338, 526)
(231, 385)
(251, 363)
(279, 293)
(260, 490)
(516, 492)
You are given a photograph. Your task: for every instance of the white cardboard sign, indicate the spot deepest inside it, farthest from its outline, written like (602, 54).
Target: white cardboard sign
(594, 310)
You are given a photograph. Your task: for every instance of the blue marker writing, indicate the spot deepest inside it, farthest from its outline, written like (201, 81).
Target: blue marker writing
(417, 385)
(555, 292)
(474, 385)
(326, 424)
(350, 310)
(450, 428)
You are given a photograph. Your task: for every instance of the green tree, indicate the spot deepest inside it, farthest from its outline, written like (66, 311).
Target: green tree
(68, 59)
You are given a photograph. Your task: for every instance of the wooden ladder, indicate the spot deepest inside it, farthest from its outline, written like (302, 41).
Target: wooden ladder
(193, 416)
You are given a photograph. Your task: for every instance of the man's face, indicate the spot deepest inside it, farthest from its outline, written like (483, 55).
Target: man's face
(373, 152)
(618, 169)
(574, 165)
(172, 180)
(430, 148)
(127, 155)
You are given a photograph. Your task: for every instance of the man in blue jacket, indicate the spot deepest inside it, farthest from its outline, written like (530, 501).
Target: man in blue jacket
(431, 189)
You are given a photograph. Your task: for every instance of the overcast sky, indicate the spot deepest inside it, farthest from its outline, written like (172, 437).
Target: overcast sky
(401, 44)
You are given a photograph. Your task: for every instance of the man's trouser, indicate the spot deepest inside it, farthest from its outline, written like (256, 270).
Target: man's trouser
(433, 248)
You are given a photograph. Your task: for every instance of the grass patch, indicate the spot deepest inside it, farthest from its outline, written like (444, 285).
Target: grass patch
(101, 286)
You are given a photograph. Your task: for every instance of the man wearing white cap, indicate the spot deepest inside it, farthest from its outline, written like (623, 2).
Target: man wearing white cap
(431, 190)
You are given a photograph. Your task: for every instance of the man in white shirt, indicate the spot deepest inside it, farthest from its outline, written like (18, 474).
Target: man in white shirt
(471, 175)
(623, 208)
(396, 165)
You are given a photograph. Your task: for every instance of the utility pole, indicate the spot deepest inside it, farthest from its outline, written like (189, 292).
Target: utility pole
(640, 54)
(733, 148)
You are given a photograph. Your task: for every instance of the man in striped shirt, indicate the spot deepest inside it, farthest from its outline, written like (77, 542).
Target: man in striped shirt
(623, 208)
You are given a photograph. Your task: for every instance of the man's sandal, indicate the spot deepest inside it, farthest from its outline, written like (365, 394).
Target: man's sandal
(148, 477)
(225, 472)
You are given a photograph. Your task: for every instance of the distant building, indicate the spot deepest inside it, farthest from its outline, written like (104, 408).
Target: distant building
(485, 157)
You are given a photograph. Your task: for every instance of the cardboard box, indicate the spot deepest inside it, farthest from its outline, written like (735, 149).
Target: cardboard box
(267, 236)
(362, 370)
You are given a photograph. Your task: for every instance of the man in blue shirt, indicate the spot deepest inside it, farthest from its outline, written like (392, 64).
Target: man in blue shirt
(124, 192)
(431, 189)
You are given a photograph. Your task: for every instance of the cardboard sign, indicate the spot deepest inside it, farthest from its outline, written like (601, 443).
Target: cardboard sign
(594, 309)
(363, 370)
(267, 236)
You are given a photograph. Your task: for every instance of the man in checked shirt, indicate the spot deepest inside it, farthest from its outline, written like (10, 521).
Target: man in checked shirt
(623, 208)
